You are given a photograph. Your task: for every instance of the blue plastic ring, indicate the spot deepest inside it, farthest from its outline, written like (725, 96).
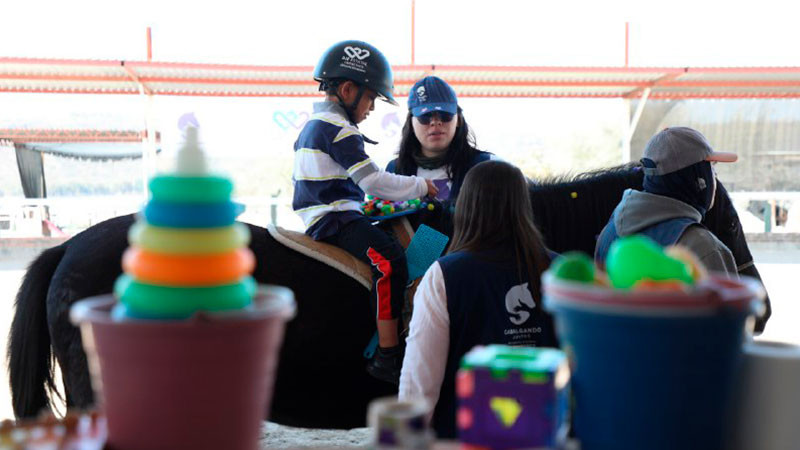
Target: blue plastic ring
(187, 215)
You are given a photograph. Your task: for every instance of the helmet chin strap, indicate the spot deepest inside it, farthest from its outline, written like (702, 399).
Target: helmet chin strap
(350, 110)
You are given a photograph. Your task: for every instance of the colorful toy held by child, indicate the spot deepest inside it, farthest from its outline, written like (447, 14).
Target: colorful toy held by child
(380, 209)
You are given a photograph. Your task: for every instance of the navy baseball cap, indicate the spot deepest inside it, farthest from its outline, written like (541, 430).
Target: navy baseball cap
(432, 94)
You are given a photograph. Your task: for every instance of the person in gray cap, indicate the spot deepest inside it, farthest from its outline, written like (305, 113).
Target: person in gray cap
(679, 187)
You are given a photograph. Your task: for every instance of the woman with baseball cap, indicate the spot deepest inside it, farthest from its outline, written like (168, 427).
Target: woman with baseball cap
(679, 188)
(437, 143)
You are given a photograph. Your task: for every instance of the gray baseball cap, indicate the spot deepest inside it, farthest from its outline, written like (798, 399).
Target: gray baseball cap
(675, 148)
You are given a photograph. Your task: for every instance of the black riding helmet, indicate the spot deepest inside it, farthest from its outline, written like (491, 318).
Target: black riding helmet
(360, 63)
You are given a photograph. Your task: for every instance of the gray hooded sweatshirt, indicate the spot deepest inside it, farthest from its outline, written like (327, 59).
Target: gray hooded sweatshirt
(638, 210)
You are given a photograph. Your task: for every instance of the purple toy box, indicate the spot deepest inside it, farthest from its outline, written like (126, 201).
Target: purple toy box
(512, 397)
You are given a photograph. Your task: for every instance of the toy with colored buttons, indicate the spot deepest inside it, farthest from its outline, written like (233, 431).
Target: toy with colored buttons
(513, 397)
(187, 253)
(379, 209)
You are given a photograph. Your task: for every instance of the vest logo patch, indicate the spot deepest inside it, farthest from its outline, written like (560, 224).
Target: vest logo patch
(519, 303)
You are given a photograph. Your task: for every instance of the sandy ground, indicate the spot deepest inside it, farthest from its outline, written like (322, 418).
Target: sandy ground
(778, 269)
(277, 436)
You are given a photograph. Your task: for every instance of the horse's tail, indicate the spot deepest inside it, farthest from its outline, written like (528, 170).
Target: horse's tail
(30, 357)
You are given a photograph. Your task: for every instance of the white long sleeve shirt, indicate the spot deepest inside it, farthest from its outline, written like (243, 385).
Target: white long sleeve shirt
(428, 341)
(393, 187)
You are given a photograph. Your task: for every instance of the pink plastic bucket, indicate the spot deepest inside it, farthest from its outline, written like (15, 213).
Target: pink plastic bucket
(201, 383)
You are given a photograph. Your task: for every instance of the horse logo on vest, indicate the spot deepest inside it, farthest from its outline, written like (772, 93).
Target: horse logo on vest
(519, 303)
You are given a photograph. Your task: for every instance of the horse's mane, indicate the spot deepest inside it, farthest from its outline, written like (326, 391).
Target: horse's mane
(571, 209)
(620, 173)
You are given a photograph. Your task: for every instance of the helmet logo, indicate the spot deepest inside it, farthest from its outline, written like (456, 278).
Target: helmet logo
(356, 52)
(421, 94)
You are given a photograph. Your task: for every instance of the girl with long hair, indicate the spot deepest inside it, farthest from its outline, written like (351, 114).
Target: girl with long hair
(486, 290)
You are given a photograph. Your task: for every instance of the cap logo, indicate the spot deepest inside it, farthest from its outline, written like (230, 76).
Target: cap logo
(421, 96)
(356, 52)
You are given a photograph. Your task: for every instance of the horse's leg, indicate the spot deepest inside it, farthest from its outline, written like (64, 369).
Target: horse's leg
(89, 267)
(68, 350)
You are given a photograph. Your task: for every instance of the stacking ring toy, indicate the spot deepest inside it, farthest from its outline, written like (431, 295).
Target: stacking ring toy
(198, 215)
(188, 270)
(178, 189)
(193, 241)
(148, 300)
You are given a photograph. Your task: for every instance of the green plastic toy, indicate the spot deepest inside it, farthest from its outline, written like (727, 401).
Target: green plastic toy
(574, 266)
(635, 258)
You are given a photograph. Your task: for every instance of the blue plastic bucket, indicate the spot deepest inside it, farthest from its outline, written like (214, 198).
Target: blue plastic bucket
(651, 370)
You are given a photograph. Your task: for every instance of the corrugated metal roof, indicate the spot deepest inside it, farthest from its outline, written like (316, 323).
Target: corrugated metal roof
(40, 135)
(79, 143)
(162, 78)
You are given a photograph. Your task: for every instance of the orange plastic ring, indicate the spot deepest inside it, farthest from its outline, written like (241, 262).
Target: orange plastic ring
(167, 269)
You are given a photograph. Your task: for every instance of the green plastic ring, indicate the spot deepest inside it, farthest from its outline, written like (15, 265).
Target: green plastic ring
(188, 241)
(167, 302)
(177, 189)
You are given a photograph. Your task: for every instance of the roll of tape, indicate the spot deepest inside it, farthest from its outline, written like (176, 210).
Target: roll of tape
(768, 397)
(399, 424)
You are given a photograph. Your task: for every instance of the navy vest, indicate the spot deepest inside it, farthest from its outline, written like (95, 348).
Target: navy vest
(487, 304)
(664, 233)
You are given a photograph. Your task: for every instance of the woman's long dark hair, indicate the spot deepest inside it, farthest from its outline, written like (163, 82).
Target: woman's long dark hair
(493, 210)
(459, 156)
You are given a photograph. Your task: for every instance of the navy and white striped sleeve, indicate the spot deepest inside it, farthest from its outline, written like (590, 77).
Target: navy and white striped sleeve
(347, 149)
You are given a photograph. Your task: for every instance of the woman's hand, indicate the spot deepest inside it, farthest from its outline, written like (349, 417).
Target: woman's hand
(432, 189)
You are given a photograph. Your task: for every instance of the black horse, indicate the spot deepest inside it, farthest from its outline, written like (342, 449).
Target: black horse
(321, 380)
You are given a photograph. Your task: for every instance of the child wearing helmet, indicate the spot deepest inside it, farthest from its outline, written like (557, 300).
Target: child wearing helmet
(332, 172)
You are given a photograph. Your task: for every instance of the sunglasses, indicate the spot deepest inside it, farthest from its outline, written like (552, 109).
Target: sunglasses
(444, 117)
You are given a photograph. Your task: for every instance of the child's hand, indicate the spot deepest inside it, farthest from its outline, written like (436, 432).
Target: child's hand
(432, 189)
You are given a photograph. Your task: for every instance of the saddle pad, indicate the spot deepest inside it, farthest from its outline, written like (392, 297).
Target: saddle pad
(327, 254)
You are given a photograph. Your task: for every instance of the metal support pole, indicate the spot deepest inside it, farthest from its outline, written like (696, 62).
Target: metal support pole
(626, 127)
(150, 146)
(630, 127)
(149, 140)
(627, 34)
(638, 113)
(149, 46)
(413, 18)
